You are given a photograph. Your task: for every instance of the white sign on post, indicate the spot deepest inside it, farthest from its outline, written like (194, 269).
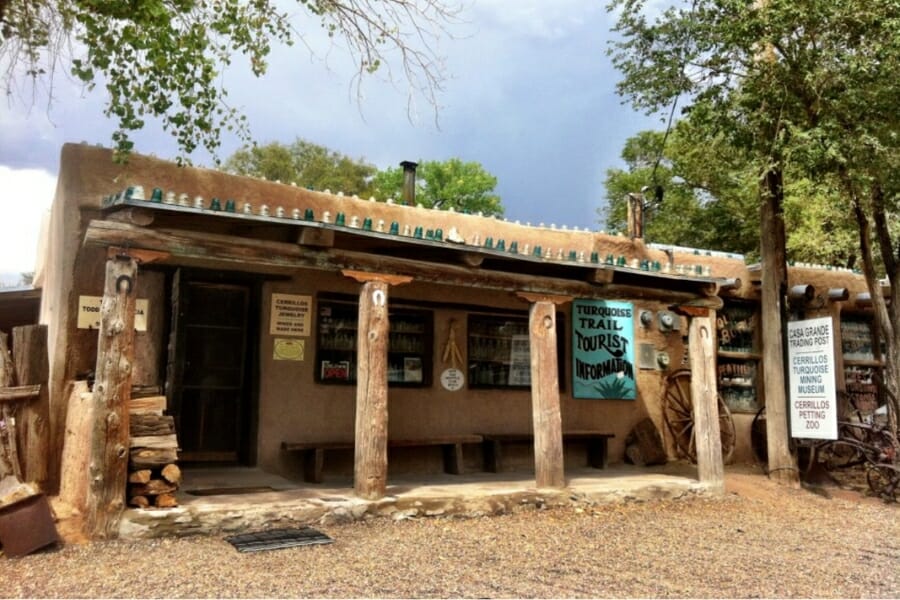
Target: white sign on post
(811, 375)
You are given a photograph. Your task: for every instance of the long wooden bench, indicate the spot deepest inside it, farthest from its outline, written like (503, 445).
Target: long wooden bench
(313, 453)
(597, 446)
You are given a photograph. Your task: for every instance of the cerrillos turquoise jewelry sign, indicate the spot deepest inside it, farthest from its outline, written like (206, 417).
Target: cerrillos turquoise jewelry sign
(603, 350)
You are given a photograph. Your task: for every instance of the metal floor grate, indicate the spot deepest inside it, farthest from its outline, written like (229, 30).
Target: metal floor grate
(278, 538)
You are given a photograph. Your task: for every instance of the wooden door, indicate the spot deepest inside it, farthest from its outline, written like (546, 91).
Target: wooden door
(209, 373)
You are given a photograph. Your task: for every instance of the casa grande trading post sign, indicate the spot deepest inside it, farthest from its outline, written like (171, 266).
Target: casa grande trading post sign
(811, 375)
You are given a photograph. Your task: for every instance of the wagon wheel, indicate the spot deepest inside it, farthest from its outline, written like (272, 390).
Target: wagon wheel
(883, 480)
(678, 411)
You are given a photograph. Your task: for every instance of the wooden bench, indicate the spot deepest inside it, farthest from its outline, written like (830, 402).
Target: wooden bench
(313, 453)
(597, 446)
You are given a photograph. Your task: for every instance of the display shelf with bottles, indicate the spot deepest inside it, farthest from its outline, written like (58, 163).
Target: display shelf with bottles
(499, 351)
(409, 344)
(862, 365)
(738, 357)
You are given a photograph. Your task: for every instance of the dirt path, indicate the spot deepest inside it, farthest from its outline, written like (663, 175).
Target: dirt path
(758, 540)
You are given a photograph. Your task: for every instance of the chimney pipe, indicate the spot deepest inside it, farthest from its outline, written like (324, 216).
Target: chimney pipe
(409, 182)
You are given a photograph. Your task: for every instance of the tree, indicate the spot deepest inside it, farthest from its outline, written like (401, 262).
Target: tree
(710, 199)
(462, 186)
(801, 80)
(306, 164)
(163, 58)
(707, 191)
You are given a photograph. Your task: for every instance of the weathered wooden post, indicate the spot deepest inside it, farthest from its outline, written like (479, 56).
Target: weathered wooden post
(370, 464)
(108, 464)
(9, 458)
(33, 368)
(549, 464)
(704, 395)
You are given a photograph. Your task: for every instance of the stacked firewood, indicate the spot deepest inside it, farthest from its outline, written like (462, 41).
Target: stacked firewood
(154, 475)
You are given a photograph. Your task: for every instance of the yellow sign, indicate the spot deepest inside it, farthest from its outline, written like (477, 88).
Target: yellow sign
(290, 314)
(287, 349)
(89, 312)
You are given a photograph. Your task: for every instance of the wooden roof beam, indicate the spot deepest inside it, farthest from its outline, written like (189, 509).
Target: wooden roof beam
(197, 248)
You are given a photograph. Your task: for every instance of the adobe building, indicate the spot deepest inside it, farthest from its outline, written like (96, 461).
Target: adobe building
(324, 337)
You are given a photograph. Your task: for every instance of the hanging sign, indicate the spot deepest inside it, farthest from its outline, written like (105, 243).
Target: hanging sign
(812, 389)
(452, 379)
(603, 350)
(89, 312)
(290, 314)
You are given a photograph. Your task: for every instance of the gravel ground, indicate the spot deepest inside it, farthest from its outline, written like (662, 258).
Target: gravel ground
(759, 540)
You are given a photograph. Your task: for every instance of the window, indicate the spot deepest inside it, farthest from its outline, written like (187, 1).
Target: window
(862, 367)
(736, 368)
(499, 351)
(409, 344)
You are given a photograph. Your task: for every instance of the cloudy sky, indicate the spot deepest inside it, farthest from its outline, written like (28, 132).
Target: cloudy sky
(530, 94)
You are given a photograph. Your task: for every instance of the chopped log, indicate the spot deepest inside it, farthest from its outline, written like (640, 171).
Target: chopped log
(140, 476)
(150, 405)
(148, 458)
(139, 501)
(157, 442)
(75, 459)
(139, 392)
(147, 424)
(19, 393)
(112, 391)
(172, 473)
(33, 368)
(166, 501)
(154, 487)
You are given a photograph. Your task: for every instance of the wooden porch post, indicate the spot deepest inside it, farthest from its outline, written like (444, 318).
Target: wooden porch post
(108, 463)
(549, 467)
(370, 455)
(701, 338)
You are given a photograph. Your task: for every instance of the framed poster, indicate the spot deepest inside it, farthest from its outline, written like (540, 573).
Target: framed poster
(603, 350)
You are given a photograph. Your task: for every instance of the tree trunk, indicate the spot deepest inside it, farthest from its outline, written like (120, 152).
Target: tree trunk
(887, 316)
(782, 467)
(108, 468)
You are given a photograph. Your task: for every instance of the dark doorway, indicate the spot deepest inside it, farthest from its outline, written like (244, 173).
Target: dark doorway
(210, 368)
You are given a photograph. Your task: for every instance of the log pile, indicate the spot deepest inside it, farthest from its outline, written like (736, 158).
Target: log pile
(153, 473)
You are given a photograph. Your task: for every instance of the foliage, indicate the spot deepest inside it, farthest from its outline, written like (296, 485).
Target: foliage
(162, 59)
(710, 199)
(805, 87)
(306, 164)
(707, 191)
(462, 186)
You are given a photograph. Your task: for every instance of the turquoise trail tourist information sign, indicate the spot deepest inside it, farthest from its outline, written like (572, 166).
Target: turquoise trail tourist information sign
(603, 350)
